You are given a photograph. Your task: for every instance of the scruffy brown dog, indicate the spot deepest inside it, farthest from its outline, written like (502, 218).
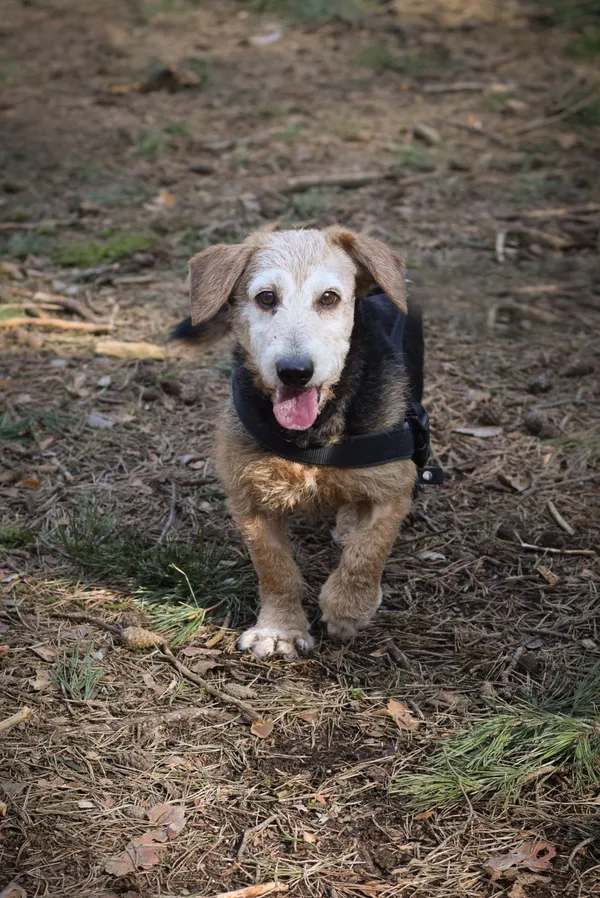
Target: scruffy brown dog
(316, 364)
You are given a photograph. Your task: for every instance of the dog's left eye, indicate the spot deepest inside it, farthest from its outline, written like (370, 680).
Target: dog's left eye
(329, 299)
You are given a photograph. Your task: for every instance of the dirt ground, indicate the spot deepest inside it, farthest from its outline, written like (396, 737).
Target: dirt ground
(477, 127)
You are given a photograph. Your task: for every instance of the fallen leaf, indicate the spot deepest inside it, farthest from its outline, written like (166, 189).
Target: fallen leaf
(142, 857)
(176, 761)
(151, 683)
(424, 815)
(13, 890)
(100, 422)
(119, 349)
(12, 270)
(477, 396)
(431, 556)
(309, 837)
(449, 699)
(262, 728)
(31, 482)
(3, 809)
(261, 40)
(309, 717)
(45, 652)
(514, 483)
(76, 632)
(404, 718)
(104, 382)
(163, 200)
(172, 817)
(85, 805)
(482, 433)
(531, 855)
(39, 682)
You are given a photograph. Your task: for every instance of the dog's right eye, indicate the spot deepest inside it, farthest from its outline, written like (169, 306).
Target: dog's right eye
(266, 299)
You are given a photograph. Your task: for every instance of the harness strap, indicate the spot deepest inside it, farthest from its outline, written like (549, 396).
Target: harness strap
(410, 439)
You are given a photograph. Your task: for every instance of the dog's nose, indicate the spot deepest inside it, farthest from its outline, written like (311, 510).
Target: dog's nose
(295, 371)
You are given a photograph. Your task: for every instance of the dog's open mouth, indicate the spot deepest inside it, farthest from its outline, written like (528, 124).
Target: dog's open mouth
(296, 409)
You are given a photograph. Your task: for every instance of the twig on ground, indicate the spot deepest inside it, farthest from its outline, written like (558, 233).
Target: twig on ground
(9, 722)
(354, 179)
(500, 246)
(218, 636)
(588, 552)
(84, 618)
(171, 517)
(559, 116)
(253, 831)
(397, 655)
(57, 324)
(267, 888)
(473, 129)
(559, 518)
(246, 710)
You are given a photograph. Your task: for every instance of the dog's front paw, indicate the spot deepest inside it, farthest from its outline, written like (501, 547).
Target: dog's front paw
(266, 642)
(335, 606)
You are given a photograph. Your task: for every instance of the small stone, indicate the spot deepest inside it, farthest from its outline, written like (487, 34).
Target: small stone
(171, 387)
(537, 424)
(150, 394)
(579, 368)
(540, 384)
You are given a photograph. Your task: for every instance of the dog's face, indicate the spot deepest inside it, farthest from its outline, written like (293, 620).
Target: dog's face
(293, 295)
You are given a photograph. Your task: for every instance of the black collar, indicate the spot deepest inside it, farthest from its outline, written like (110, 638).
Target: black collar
(410, 439)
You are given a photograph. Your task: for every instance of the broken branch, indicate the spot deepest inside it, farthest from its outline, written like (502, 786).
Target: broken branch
(56, 324)
(9, 722)
(185, 672)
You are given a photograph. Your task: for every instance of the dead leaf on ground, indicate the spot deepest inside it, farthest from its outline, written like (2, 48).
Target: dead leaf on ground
(309, 837)
(514, 483)
(77, 632)
(100, 422)
(135, 857)
(482, 433)
(472, 395)
(12, 270)
(39, 682)
(309, 717)
(45, 652)
(530, 855)
(404, 718)
(190, 650)
(172, 817)
(262, 728)
(203, 666)
(13, 890)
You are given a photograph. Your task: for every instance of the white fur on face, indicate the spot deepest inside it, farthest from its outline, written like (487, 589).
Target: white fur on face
(299, 266)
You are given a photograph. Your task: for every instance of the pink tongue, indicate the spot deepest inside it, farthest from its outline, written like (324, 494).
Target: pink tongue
(296, 409)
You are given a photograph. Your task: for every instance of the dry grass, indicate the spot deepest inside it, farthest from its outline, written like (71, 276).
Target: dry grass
(127, 523)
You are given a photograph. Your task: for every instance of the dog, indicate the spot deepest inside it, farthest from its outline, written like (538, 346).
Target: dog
(313, 313)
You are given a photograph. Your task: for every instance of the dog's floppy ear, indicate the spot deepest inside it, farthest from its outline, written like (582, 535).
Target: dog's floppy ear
(377, 263)
(213, 275)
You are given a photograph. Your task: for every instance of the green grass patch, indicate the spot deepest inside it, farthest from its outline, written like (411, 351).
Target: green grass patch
(77, 674)
(380, 57)
(13, 429)
(15, 537)
(587, 45)
(588, 116)
(180, 585)
(415, 157)
(573, 12)
(534, 187)
(119, 246)
(515, 748)
(312, 203)
(152, 144)
(314, 11)
(28, 243)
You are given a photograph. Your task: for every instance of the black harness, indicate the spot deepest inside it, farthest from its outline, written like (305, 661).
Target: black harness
(409, 439)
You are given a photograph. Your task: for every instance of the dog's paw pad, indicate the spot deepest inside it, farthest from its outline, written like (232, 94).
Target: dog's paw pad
(266, 642)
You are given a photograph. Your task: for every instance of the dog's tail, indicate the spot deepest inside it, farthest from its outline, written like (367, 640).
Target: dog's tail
(414, 350)
(209, 331)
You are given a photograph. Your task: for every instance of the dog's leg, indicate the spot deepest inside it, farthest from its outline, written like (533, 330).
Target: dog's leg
(281, 628)
(352, 594)
(346, 523)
